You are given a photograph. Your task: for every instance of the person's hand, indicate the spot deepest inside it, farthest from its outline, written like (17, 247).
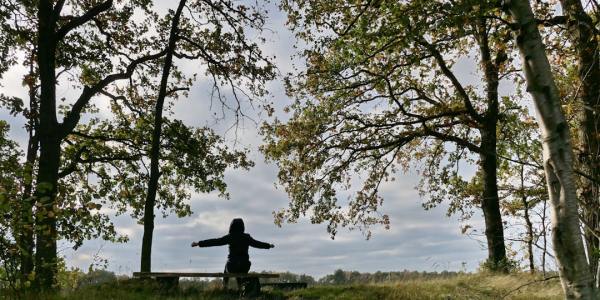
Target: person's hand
(194, 244)
(271, 246)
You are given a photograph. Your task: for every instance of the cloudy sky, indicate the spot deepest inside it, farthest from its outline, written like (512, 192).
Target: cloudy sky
(417, 240)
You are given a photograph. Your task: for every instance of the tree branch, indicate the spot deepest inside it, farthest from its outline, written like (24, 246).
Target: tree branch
(450, 75)
(77, 21)
(175, 90)
(450, 138)
(556, 20)
(58, 8)
(72, 117)
(529, 283)
(73, 165)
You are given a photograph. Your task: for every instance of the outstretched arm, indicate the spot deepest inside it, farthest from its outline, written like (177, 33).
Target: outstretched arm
(258, 244)
(212, 242)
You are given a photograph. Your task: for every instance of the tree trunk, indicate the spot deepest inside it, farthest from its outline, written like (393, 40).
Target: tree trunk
(26, 222)
(527, 221)
(574, 270)
(529, 236)
(49, 138)
(45, 196)
(581, 31)
(146, 258)
(494, 230)
(545, 242)
(490, 204)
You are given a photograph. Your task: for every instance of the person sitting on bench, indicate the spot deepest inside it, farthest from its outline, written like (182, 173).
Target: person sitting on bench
(238, 260)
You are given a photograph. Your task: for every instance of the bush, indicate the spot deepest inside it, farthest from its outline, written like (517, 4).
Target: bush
(503, 266)
(96, 277)
(9, 264)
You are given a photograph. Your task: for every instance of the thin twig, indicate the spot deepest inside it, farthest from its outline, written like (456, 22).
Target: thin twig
(526, 284)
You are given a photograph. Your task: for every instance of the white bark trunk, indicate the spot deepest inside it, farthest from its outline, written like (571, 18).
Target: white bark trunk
(598, 276)
(576, 278)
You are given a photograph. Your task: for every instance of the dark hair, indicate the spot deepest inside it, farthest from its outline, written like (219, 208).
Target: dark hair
(236, 226)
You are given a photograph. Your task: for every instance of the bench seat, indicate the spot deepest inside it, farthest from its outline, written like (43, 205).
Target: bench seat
(177, 274)
(170, 280)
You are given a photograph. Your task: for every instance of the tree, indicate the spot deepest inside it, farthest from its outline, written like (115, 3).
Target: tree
(582, 32)
(522, 182)
(19, 37)
(574, 270)
(370, 101)
(181, 158)
(10, 168)
(244, 65)
(24, 208)
(100, 44)
(92, 46)
(149, 203)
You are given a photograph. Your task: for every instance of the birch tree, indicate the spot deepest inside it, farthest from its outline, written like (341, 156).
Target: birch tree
(576, 278)
(583, 34)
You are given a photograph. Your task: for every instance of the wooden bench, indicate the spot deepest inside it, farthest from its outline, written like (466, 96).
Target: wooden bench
(170, 280)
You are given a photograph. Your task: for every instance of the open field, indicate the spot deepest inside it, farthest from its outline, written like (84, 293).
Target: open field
(467, 286)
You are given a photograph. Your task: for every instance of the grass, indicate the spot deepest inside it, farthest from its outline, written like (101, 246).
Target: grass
(467, 286)
(460, 287)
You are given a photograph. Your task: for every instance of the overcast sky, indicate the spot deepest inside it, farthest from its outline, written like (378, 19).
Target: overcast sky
(417, 240)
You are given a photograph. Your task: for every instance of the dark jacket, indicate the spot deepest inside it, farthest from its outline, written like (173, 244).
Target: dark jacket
(238, 242)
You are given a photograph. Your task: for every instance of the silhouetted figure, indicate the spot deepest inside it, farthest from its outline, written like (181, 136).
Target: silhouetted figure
(238, 260)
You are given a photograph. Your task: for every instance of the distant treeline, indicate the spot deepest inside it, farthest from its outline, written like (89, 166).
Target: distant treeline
(340, 276)
(355, 277)
(74, 279)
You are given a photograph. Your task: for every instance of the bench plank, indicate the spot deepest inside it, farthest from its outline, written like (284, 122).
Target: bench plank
(172, 274)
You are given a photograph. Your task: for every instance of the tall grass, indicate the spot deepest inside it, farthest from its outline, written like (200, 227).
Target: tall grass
(478, 286)
(466, 286)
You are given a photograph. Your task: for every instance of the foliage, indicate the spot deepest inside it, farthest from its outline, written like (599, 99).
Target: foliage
(9, 262)
(80, 45)
(291, 277)
(96, 277)
(379, 96)
(522, 186)
(116, 151)
(70, 280)
(192, 160)
(10, 174)
(507, 264)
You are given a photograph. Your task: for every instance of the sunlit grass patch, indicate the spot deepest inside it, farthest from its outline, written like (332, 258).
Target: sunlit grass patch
(479, 286)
